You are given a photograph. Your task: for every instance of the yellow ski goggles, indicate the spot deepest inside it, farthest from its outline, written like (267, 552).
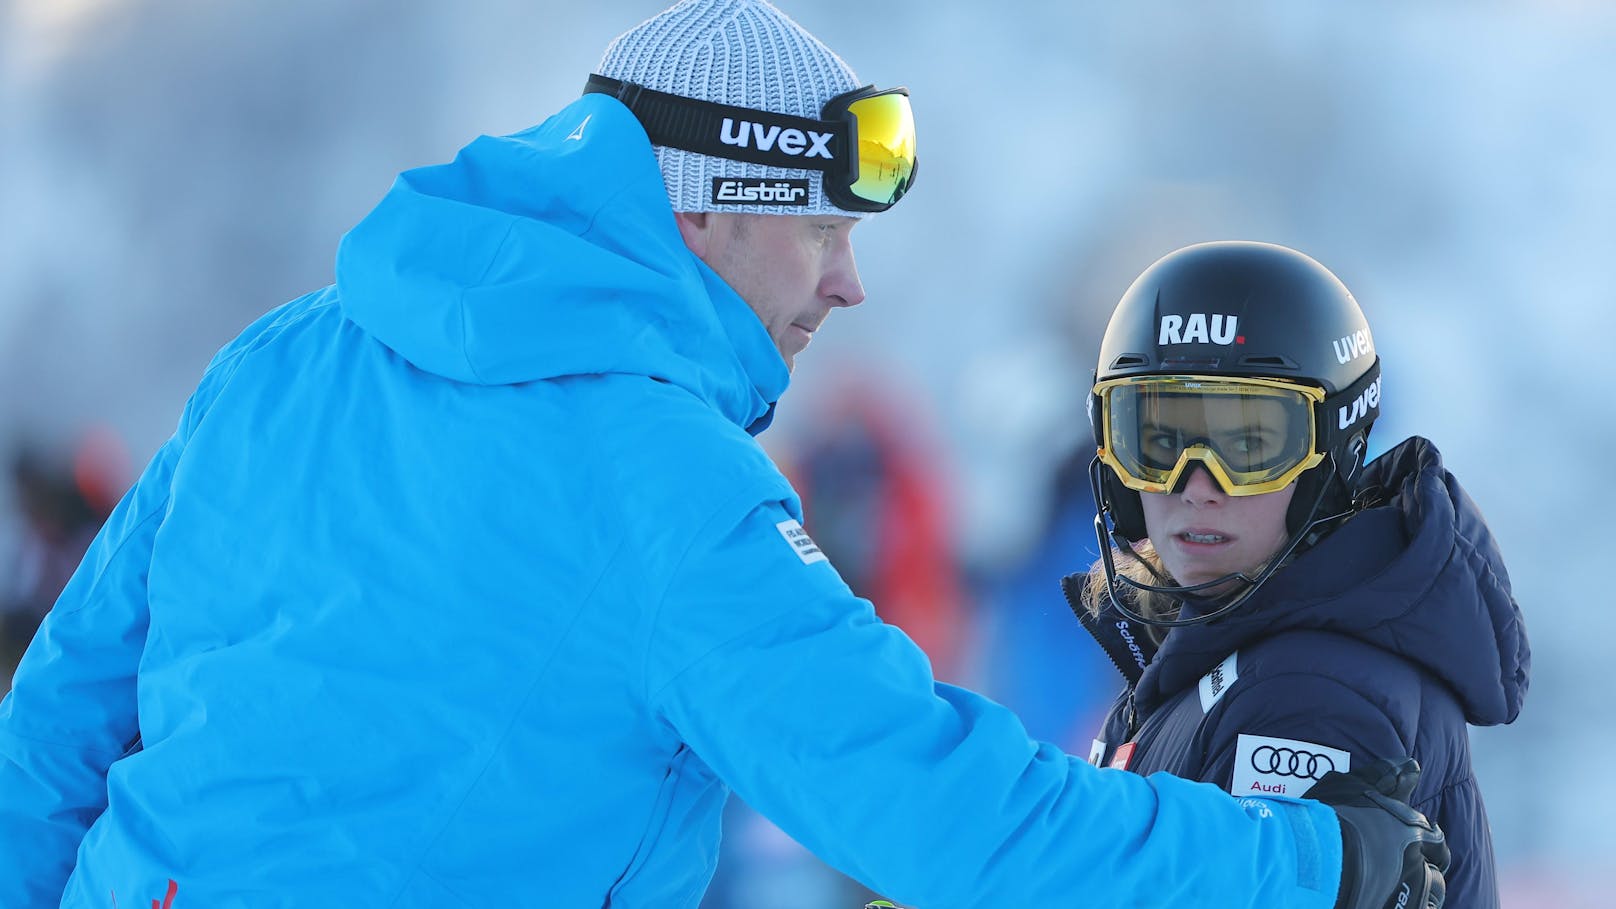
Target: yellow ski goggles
(883, 129)
(1252, 435)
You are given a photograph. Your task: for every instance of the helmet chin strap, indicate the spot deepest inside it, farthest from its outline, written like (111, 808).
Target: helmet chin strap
(1186, 595)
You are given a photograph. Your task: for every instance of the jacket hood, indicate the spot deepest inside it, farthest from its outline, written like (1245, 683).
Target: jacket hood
(554, 252)
(1417, 574)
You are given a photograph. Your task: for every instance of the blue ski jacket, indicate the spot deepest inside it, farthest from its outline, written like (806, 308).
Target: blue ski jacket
(463, 583)
(1386, 638)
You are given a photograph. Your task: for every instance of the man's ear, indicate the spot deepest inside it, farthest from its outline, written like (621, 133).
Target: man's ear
(696, 227)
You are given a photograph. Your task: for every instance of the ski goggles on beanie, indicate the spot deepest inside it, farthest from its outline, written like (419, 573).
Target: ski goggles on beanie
(863, 143)
(1252, 435)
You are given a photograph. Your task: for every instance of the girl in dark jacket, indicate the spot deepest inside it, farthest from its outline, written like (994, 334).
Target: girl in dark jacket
(1278, 608)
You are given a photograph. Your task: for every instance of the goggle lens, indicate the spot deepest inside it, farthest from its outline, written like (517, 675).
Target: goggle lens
(1252, 436)
(886, 146)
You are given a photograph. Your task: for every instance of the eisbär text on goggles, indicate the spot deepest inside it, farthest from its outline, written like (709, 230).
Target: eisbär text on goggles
(877, 123)
(1252, 435)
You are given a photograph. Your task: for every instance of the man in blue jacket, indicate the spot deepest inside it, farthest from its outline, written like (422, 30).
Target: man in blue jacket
(463, 582)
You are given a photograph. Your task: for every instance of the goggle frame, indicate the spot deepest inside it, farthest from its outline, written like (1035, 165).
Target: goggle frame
(1226, 477)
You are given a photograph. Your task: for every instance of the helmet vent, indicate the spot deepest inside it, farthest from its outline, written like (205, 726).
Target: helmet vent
(1129, 360)
(1268, 361)
(1192, 362)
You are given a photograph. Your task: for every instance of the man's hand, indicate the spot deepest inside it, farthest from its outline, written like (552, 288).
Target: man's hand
(1392, 857)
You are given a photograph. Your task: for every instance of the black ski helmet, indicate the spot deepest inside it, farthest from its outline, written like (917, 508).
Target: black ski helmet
(1248, 310)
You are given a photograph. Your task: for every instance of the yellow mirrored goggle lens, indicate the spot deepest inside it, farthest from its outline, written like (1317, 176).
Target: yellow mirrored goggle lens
(886, 146)
(1253, 436)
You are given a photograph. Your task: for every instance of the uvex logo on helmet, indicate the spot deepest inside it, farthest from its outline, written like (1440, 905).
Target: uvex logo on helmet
(746, 134)
(1199, 328)
(1353, 346)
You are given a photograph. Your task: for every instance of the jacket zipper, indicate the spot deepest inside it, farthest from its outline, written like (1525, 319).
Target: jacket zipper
(1072, 587)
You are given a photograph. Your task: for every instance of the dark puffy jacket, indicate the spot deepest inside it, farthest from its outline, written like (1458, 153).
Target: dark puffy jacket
(1385, 639)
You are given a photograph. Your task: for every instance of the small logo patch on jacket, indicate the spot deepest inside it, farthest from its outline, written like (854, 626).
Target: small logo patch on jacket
(1264, 765)
(1216, 682)
(803, 544)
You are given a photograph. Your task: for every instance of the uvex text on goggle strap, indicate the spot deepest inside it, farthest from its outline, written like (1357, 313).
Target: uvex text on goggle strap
(878, 123)
(1252, 435)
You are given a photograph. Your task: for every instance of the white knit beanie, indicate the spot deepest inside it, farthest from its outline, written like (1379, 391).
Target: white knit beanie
(739, 52)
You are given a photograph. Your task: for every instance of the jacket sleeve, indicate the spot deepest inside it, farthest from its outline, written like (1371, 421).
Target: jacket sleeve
(830, 723)
(71, 711)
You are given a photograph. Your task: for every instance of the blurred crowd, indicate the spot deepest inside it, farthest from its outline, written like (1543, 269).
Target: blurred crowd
(60, 500)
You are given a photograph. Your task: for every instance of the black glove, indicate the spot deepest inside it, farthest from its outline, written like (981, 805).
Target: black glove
(1392, 857)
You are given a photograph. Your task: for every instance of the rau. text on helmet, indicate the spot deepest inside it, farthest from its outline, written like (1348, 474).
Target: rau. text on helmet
(1198, 328)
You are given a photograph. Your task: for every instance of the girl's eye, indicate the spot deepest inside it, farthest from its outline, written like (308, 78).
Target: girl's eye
(1255, 445)
(1162, 439)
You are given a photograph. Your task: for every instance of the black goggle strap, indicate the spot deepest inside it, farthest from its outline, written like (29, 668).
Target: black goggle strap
(1347, 413)
(756, 136)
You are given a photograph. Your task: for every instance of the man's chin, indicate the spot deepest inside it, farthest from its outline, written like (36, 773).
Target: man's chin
(790, 351)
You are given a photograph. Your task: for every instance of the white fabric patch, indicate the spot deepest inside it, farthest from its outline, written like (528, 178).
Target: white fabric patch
(1264, 765)
(1216, 682)
(1097, 752)
(804, 545)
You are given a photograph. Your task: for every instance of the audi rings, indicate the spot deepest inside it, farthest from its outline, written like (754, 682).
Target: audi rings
(1291, 762)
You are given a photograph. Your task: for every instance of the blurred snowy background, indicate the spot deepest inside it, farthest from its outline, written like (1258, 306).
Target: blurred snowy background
(169, 169)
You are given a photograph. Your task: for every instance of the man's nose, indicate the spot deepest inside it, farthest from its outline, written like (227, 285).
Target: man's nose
(841, 286)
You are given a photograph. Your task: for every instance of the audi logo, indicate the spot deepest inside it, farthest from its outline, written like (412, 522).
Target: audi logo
(1291, 762)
